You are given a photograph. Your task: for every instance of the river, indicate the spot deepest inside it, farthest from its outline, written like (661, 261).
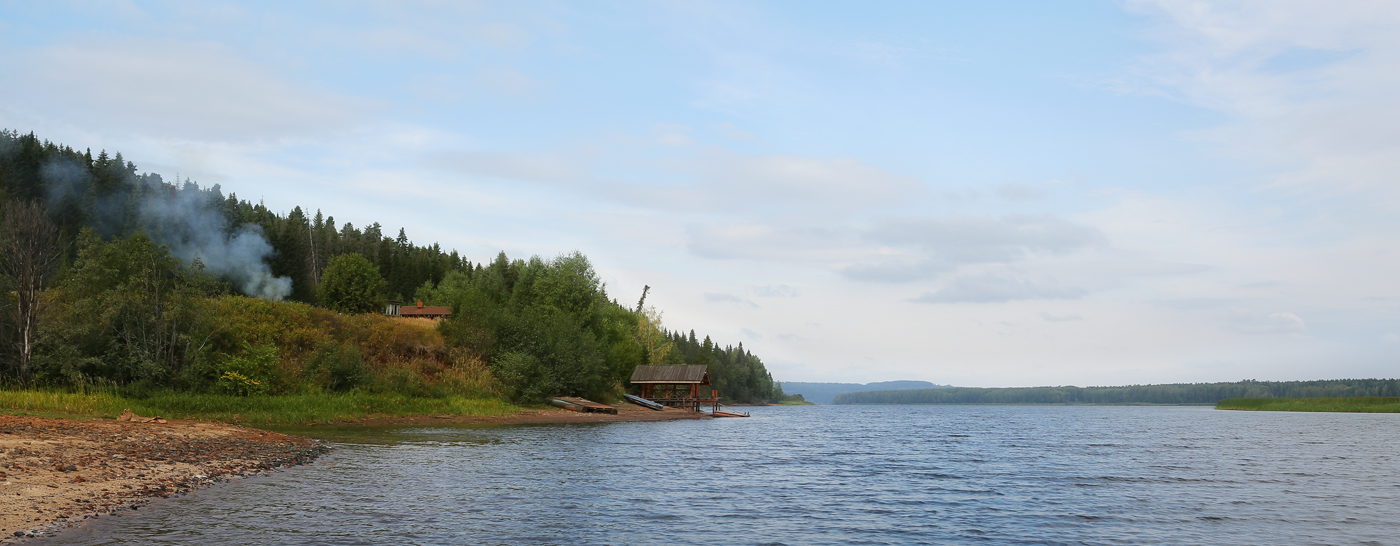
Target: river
(820, 475)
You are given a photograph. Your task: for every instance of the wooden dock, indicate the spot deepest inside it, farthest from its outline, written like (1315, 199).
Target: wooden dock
(573, 403)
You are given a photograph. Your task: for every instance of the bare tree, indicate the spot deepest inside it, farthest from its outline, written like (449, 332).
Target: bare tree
(29, 253)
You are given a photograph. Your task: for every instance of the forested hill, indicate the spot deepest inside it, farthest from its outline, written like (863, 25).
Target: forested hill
(1179, 393)
(128, 279)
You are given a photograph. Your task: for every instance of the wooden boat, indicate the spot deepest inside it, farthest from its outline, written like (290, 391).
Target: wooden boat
(644, 402)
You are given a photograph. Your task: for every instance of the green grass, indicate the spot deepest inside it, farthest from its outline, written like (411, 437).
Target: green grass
(250, 410)
(795, 403)
(1362, 404)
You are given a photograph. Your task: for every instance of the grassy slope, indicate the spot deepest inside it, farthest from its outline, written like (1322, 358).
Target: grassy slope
(1366, 404)
(253, 410)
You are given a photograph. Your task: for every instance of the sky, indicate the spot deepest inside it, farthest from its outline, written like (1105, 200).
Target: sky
(967, 193)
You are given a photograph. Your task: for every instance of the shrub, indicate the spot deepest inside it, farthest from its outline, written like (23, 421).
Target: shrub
(249, 373)
(339, 366)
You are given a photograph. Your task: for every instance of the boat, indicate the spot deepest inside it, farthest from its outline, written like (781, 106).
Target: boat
(643, 402)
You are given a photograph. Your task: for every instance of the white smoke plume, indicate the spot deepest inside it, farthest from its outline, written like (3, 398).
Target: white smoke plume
(189, 222)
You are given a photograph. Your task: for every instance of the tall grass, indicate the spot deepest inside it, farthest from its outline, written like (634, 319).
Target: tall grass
(250, 410)
(1360, 404)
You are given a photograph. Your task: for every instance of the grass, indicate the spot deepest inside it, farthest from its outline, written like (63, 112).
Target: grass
(250, 410)
(1362, 404)
(795, 403)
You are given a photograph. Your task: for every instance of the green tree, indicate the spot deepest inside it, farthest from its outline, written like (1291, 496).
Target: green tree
(351, 285)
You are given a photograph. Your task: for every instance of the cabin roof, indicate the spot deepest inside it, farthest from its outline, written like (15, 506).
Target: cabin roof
(689, 373)
(425, 311)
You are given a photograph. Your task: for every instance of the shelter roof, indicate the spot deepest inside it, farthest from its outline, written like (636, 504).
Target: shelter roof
(689, 373)
(408, 311)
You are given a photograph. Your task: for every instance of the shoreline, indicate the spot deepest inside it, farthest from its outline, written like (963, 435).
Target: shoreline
(56, 473)
(539, 416)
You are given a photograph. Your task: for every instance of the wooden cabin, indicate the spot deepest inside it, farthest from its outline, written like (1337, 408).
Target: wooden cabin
(682, 386)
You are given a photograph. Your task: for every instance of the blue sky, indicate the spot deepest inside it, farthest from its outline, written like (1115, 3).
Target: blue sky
(974, 193)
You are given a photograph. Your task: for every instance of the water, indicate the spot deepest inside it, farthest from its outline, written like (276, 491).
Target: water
(822, 475)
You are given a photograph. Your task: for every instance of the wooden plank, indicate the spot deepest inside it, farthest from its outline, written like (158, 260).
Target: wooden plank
(589, 405)
(566, 405)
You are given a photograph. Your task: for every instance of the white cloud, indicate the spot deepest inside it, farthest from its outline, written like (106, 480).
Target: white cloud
(1309, 85)
(508, 81)
(1279, 322)
(774, 291)
(714, 297)
(175, 89)
(939, 244)
(989, 288)
(1058, 318)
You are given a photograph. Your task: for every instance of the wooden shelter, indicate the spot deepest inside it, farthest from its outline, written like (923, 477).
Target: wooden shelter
(680, 386)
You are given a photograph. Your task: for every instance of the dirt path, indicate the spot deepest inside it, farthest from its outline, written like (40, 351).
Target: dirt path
(56, 472)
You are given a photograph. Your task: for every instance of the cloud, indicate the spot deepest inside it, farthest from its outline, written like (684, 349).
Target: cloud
(988, 288)
(750, 333)
(714, 297)
(1058, 318)
(790, 181)
(774, 291)
(171, 88)
(733, 132)
(508, 81)
(1021, 192)
(1279, 322)
(693, 177)
(939, 244)
(1308, 86)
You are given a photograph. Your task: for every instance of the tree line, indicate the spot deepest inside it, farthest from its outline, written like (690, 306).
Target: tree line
(120, 277)
(1177, 393)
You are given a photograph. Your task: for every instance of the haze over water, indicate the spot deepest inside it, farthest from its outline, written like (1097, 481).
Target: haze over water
(822, 475)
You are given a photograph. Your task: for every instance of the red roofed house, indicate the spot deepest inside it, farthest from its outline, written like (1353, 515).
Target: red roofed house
(421, 311)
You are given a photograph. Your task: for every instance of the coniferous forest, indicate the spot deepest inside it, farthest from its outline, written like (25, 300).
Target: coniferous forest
(122, 278)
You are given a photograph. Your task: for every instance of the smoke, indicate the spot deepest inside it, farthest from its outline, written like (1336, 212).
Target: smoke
(188, 222)
(186, 218)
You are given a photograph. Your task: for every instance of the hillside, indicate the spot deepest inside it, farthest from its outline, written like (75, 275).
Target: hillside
(119, 278)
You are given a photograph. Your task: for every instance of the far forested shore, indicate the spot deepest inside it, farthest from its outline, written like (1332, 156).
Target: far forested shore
(1168, 394)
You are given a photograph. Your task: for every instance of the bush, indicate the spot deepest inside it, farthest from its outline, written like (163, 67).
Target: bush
(249, 373)
(337, 366)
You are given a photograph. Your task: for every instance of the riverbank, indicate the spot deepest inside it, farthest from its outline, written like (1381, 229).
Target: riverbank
(1360, 404)
(255, 411)
(54, 473)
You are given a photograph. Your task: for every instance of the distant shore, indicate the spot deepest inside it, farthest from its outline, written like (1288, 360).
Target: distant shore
(1359, 404)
